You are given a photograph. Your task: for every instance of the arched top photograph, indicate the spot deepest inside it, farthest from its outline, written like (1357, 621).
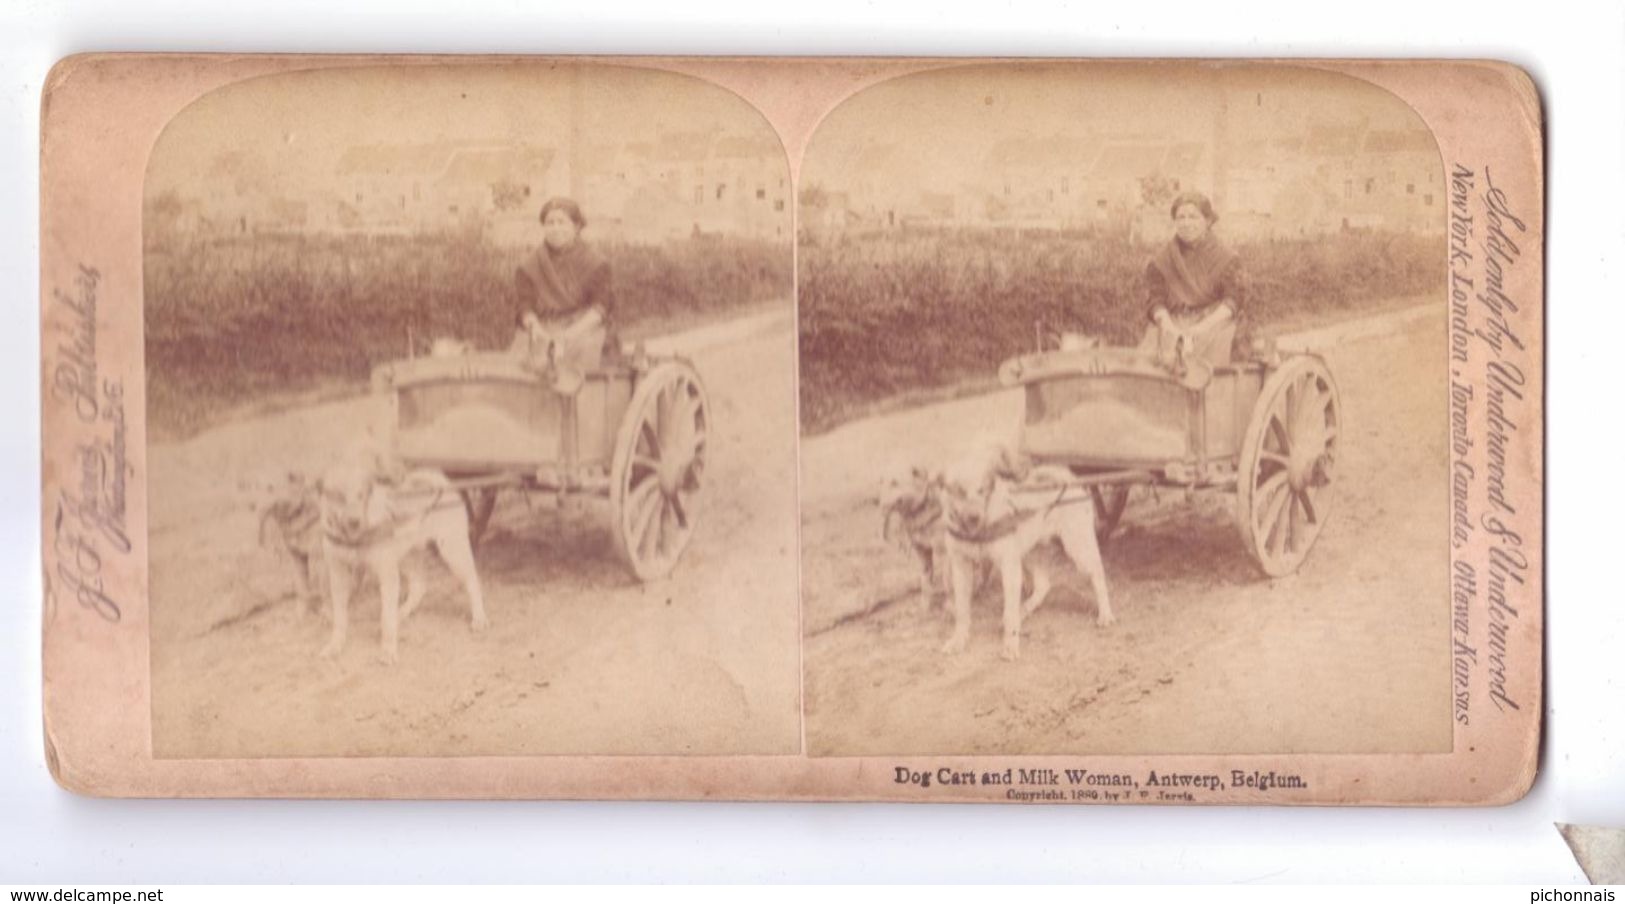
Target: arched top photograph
(484, 317)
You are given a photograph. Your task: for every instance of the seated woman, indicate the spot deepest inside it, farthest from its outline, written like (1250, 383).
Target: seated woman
(1195, 287)
(565, 298)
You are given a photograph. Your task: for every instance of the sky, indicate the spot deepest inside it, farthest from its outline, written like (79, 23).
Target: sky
(938, 126)
(945, 121)
(303, 122)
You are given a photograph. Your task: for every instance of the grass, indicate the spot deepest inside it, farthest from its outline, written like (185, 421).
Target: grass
(242, 322)
(913, 314)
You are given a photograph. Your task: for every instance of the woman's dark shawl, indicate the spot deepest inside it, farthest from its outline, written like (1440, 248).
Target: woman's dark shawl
(1195, 276)
(555, 284)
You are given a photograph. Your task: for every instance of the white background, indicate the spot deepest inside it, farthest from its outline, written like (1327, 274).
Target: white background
(49, 835)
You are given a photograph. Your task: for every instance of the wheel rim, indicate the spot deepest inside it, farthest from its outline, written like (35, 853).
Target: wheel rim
(661, 461)
(1288, 458)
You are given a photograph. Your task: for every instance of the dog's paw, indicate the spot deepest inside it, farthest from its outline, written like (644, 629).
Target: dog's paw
(331, 649)
(1011, 651)
(1105, 620)
(479, 623)
(954, 644)
(388, 657)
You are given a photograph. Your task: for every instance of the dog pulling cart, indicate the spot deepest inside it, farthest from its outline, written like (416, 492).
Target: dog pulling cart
(634, 432)
(1265, 427)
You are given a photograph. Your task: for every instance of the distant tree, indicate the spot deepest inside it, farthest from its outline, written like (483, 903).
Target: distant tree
(1157, 189)
(507, 195)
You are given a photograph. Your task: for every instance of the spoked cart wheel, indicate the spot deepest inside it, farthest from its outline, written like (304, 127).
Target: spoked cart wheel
(1283, 482)
(657, 467)
(1110, 500)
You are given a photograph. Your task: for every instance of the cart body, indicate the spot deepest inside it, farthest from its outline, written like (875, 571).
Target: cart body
(634, 431)
(1265, 428)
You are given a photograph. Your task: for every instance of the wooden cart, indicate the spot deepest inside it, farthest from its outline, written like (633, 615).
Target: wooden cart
(635, 433)
(1264, 428)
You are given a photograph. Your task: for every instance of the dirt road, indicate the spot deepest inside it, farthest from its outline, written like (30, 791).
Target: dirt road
(579, 658)
(1349, 655)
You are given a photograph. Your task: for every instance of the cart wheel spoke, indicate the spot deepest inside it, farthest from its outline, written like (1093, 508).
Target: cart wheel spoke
(678, 509)
(1271, 494)
(1278, 432)
(650, 542)
(650, 437)
(675, 416)
(693, 414)
(1307, 500)
(690, 416)
(647, 523)
(1274, 458)
(691, 477)
(663, 415)
(644, 462)
(1311, 412)
(1277, 518)
(1294, 523)
(670, 524)
(638, 502)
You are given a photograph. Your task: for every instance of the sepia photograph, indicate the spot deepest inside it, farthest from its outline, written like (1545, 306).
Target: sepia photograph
(1013, 431)
(1124, 419)
(471, 416)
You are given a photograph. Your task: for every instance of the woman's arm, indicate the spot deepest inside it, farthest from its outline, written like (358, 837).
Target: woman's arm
(1217, 314)
(597, 302)
(1232, 288)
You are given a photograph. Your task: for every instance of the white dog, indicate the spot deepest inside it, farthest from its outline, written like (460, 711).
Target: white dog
(369, 524)
(998, 510)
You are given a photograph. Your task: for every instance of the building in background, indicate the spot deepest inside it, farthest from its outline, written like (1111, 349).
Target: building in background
(1274, 166)
(673, 185)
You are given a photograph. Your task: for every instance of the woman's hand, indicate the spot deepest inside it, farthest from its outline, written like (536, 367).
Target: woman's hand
(587, 321)
(1218, 315)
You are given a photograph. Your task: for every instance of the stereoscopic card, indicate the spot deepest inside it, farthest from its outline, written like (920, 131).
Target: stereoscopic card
(1037, 431)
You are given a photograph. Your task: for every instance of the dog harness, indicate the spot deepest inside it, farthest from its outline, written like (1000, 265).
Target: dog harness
(385, 529)
(1002, 527)
(292, 516)
(916, 514)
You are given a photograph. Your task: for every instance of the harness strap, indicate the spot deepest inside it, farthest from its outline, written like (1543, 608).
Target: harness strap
(290, 516)
(1007, 525)
(390, 527)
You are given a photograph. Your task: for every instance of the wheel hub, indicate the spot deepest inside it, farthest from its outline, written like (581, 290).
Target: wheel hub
(1305, 455)
(673, 472)
(669, 477)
